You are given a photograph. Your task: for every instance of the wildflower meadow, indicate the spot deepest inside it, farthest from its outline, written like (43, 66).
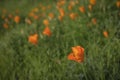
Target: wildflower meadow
(59, 39)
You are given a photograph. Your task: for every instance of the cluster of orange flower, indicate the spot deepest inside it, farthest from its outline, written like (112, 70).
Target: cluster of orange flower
(16, 19)
(78, 51)
(34, 38)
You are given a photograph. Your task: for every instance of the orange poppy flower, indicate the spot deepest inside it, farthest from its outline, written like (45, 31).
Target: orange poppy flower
(33, 39)
(72, 3)
(17, 19)
(118, 4)
(77, 54)
(62, 12)
(5, 25)
(105, 33)
(60, 3)
(94, 21)
(93, 2)
(73, 16)
(47, 31)
(82, 9)
(46, 22)
(51, 15)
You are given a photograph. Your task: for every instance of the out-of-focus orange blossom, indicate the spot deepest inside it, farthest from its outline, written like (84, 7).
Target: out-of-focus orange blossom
(82, 9)
(47, 31)
(17, 19)
(33, 39)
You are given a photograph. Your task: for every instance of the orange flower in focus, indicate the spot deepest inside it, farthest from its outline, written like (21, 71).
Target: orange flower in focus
(47, 31)
(93, 2)
(46, 22)
(17, 19)
(94, 21)
(5, 25)
(73, 16)
(105, 33)
(51, 15)
(77, 54)
(118, 4)
(33, 39)
(82, 9)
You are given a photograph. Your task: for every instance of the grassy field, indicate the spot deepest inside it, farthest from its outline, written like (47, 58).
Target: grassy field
(92, 24)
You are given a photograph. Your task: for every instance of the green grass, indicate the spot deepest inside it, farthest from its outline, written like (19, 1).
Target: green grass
(20, 60)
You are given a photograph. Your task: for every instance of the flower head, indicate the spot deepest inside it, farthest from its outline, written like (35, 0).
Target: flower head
(118, 4)
(17, 19)
(105, 33)
(92, 2)
(77, 54)
(61, 11)
(51, 15)
(47, 31)
(82, 9)
(46, 22)
(73, 15)
(33, 39)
